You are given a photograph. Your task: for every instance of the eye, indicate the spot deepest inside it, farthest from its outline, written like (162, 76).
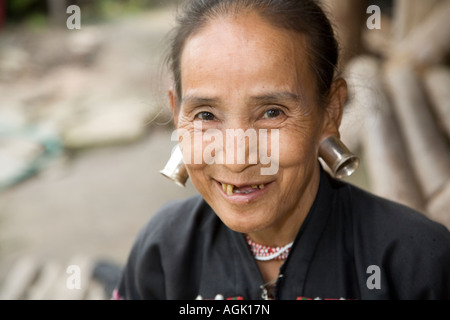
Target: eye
(205, 116)
(272, 113)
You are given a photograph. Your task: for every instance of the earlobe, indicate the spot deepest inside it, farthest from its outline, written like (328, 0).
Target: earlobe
(175, 169)
(341, 161)
(173, 106)
(336, 103)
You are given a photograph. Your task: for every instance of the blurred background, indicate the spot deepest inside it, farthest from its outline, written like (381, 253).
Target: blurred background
(85, 127)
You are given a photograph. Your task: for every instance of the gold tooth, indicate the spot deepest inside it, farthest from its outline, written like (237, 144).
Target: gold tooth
(224, 187)
(261, 186)
(254, 186)
(230, 189)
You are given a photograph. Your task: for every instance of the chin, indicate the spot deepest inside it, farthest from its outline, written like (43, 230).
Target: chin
(241, 221)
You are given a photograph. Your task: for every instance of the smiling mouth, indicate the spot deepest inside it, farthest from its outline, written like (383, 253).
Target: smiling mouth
(231, 189)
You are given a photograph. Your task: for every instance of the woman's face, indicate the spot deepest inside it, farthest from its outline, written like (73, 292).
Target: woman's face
(243, 73)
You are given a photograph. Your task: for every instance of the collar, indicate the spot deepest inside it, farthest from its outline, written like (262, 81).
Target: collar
(295, 269)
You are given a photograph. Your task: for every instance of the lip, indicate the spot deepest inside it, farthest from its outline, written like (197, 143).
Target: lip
(244, 198)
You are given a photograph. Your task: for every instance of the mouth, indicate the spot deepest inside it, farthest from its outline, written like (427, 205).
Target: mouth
(231, 189)
(243, 193)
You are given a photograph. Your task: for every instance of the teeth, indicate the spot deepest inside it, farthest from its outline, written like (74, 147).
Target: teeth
(230, 189)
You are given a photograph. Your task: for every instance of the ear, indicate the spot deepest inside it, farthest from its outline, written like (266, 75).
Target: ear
(335, 108)
(173, 106)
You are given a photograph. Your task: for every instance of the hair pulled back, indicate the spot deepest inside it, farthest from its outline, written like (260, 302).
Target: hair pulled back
(302, 16)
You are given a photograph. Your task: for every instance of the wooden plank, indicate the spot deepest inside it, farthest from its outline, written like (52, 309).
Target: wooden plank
(63, 288)
(22, 275)
(42, 288)
(96, 291)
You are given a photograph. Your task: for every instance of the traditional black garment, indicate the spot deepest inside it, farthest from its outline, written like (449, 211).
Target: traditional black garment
(352, 245)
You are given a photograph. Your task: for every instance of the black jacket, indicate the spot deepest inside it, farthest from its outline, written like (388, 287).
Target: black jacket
(352, 245)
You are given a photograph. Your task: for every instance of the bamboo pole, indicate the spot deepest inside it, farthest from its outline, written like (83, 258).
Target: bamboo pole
(378, 41)
(390, 174)
(437, 82)
(427, 150)
(408, 14)
(429, 41)
(438, 207)
(347, 17)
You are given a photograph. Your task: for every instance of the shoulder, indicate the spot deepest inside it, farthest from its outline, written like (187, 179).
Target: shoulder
(393, 219)
(174, 220)
(384, 227)
(412, 250)
(162, 245)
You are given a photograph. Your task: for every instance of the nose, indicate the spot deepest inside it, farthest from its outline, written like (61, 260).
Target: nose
(240, 148)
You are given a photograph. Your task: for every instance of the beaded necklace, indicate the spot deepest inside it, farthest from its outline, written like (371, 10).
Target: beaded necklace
(267, 253)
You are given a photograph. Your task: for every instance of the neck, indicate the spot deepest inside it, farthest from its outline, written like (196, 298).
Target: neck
(285, 230)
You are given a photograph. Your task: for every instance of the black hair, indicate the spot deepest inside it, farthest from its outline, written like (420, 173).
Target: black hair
(302, 16)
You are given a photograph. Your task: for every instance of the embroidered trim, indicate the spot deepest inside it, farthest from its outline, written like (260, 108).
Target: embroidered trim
(115, 295)
(318, 298)
(220, 297)
(266, 253)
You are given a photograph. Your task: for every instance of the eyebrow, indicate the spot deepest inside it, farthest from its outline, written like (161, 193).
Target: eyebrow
(277, 96)
(191, 99)
(265, 98)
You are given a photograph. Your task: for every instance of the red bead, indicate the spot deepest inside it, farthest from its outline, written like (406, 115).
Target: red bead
(261, 251)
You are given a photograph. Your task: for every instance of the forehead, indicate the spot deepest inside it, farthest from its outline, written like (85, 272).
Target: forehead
(244, 53)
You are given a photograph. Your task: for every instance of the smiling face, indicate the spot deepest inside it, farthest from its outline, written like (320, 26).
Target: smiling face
(243, 73)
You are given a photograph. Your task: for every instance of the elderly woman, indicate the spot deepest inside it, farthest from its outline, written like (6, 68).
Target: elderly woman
(296, 233)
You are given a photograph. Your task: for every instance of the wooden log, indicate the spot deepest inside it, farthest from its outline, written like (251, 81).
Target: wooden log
(390, 174)
(429, 41)
(428, 152)
(437, 82)
(378, 42)
(408, 14)
(438, 207)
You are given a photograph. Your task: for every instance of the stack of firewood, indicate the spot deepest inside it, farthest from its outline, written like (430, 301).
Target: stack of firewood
(398, 112)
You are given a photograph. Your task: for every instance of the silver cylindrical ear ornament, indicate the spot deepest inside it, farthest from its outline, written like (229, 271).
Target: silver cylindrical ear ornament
(342, 162)
(175, 169)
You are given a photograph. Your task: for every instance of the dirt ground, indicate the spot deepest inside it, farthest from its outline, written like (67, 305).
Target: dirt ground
(93, 206)
(92, 200)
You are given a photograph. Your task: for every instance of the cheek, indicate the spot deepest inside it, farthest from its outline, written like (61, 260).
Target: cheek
(192, 143)
(298, 147)
(190, 140)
